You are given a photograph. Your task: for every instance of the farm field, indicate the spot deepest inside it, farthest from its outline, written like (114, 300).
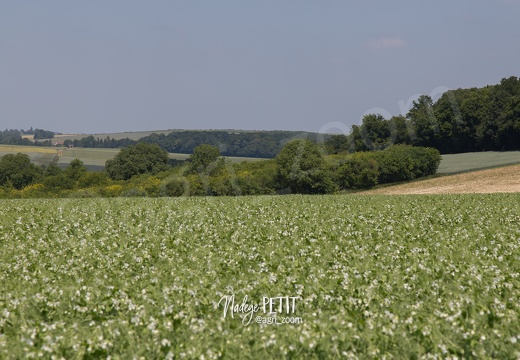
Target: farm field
(117, 135)
(371, 277)
(455, 163)
(504, 179)
(94, 159)
(38, 155)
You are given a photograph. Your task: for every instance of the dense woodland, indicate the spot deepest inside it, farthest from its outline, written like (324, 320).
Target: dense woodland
(260, 144)
(463, 120)
(257, 144)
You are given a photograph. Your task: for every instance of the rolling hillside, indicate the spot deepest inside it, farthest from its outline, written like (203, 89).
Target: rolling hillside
(94, 159)
(497, 180)
(456, 163)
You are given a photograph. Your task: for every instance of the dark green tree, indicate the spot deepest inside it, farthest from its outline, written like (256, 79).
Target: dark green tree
(137, 159)
(18, 170)
(75, 169)
(204, 155)
(52, 169)
(375, 132)
(358, 171)
(302, 168)
(423, 121)
(356, 140)
(404, 163)
(399, 129)
(336, 144)
(43, 134)
(59, 182)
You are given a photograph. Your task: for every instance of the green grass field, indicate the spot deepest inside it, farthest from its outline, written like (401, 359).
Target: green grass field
(38, 155)
(371, 277)
(476, 161)
(94, 159)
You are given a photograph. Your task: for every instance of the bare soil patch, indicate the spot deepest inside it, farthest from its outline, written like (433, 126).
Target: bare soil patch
(499, 180)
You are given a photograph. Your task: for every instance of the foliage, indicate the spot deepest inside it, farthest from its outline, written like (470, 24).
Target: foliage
(177, 187)
(203, 155)
(404, 162)
(257, 178)
(43, 134)
(301, 167)
(137, 159)
(18, 171)
(52, 169)
(57, 183)
(74, 176)
(13, 137)
(113, 190)
(75, 169)
(93, 178)
(375, 132)
(462, 120)
(376, 277)
(337, 144)
(91, 142)
(357, 171)
(258, 144)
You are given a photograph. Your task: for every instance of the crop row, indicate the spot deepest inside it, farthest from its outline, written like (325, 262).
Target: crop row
(373, 277)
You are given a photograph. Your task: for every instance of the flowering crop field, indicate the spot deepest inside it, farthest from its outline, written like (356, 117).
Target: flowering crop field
(434, 276)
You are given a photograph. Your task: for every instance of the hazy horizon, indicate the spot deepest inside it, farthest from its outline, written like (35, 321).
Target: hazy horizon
(97, 67)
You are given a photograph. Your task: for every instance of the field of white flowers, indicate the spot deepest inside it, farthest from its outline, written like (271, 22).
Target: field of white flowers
(375, 277)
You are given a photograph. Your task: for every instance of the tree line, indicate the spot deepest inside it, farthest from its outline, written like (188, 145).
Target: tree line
(15, 137)
(254, 144)
(145, 170)
(463, 120)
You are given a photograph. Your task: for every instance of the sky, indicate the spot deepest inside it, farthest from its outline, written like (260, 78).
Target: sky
(103, 66)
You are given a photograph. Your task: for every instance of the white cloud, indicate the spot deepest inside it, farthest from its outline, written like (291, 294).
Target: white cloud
(387, 43)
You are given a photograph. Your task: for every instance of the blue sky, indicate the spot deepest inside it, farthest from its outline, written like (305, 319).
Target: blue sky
(105, 66)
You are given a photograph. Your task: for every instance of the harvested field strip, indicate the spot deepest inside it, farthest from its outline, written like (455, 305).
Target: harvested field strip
(499, 180)
(14, 149)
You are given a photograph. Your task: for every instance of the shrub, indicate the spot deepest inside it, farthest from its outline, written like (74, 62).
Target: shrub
(83, 194)
(257, 178)
(59, 182)
(137, 159)
(405, 162)
(18, 171)
(111, 190)
(134, 192)
(359, 171)
(203, 155)
(34, 190)
(88, 179)
(177, 187)
(301, 167)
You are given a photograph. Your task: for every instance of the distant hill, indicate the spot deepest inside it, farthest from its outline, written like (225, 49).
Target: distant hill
(259, 144)
(234, 143)
(460, 121)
